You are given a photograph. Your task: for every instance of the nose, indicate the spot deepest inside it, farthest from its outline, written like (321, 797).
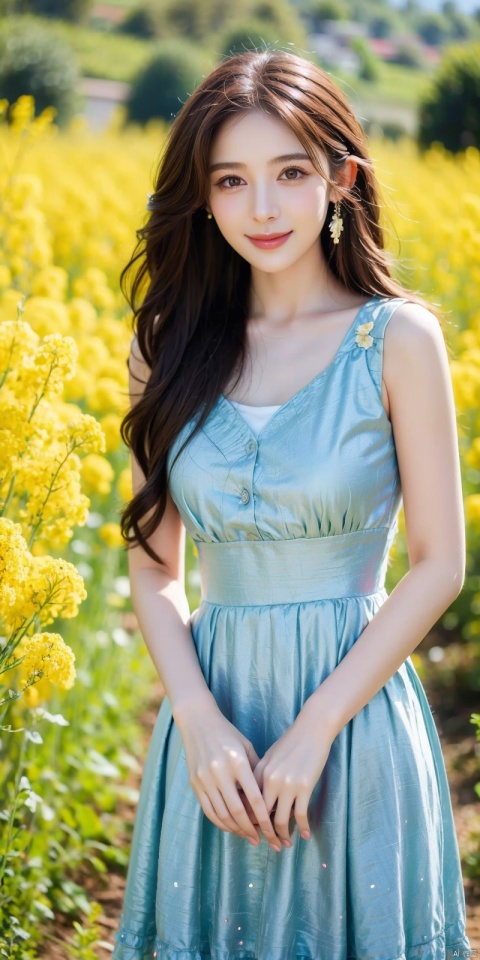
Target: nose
(264, 205)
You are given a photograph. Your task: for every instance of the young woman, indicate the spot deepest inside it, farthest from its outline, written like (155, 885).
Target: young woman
(286, 396)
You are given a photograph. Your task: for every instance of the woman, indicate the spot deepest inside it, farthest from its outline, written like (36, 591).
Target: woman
(294, 802)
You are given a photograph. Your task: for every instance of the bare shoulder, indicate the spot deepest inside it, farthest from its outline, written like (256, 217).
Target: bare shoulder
(413, 338)
(411, 324)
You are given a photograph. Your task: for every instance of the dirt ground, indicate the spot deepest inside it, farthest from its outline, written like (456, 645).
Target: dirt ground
(460, 750)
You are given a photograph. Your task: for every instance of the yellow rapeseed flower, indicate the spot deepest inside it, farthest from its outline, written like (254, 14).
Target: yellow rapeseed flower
(48, 588)
(22, 112)
(97, 474)
(124, 484)
(17, 339)
(47, 655)
(110, 534)
(472, 509)
(110, 424)
(14, 566)
(51, 282)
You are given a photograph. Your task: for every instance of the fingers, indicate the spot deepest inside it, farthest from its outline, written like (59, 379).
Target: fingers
(248, 807)
(252, 754)
(210, 813)
(255, 798)
(238, 812)
(301, 807)
(281, 817)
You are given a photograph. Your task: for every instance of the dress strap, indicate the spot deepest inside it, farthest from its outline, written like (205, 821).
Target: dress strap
(370, 335)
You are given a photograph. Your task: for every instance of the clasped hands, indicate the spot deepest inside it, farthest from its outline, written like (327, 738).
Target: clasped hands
(219, 757)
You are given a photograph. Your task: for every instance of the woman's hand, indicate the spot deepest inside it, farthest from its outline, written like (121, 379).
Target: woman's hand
(288, 772)
(218, 756)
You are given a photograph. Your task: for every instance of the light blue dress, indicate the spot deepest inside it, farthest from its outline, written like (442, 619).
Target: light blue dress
(293, 529)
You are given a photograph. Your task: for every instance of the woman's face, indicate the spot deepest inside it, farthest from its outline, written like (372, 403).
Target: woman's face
(252, 193)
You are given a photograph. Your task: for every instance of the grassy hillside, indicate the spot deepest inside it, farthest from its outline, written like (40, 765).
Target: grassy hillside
(112, 56)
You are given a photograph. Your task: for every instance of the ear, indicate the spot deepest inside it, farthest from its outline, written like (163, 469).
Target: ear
(346, 178)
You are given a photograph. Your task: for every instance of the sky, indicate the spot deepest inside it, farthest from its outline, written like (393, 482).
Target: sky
(465, 6)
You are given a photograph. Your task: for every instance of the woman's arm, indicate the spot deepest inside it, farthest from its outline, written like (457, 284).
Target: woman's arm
(218, 756)
(158, 593)
(422, 411)
(419, 386)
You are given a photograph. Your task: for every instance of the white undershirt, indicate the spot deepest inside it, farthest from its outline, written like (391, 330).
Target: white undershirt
(256, 417)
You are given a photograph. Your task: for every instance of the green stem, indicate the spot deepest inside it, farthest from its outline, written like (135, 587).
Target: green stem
(3, 859)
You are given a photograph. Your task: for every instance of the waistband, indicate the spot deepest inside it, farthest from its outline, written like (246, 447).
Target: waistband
(251, 572)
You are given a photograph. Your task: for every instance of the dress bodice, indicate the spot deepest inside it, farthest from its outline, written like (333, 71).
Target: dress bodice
(323, 463)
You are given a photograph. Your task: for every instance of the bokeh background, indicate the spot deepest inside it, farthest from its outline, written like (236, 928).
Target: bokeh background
(87, 92)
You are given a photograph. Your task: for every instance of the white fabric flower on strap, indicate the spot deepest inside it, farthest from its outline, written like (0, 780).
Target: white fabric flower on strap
(363, 338)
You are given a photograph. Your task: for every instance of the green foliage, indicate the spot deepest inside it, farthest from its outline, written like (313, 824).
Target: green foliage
(248, 35)
(449, 113)
(74, 10)
(282, 17)
(263, 24)
(433, 28)
(162, 87)
(191, 19)
(86, 936)
(34, 62)
(472, 860)
(142, 21)
(409, 55)
(381, 26)
(369, 63)
(459, 24)
(317, 11)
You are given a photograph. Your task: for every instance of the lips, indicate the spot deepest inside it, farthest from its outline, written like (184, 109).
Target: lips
(270, 242)
(267, 236)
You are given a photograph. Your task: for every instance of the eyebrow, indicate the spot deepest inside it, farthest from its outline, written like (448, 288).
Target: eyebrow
(270, 163)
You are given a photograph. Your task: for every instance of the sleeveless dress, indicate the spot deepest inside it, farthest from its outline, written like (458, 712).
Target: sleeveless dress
(293, 529)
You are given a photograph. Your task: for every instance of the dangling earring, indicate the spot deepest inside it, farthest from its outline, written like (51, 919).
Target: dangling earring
(336, 224)
(209, 216)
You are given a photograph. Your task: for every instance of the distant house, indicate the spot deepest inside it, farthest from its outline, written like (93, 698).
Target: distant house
(108, 12)
(382, 48)
(333, 40)
(333, 43)
(101, 98)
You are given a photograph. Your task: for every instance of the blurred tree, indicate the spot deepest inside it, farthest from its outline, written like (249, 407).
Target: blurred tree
(369, 63)
(142, 21)
(161, 88)
(76, 10)
(460, 25)
(193, 20)
(271, 22)
(449, 110)
(411, 7)
(280, 15)
(381, 26)
(408, 55)
(433, 28)
(203, 21)
(34, 62)
(317, 11)
(248, 35)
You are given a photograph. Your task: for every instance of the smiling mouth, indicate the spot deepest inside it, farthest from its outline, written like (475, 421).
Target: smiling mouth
(269, 236)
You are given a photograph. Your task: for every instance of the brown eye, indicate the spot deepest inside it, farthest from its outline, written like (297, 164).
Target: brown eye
(295, 170)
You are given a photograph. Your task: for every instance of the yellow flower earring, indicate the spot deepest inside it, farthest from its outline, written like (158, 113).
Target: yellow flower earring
(336, 224)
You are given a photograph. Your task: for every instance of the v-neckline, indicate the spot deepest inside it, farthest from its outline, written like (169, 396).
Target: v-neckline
(307, 386)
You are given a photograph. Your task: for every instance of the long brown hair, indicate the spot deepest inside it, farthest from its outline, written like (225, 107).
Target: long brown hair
(191, 321)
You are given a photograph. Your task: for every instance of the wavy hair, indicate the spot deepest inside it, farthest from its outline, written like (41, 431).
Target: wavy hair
(191, 322)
